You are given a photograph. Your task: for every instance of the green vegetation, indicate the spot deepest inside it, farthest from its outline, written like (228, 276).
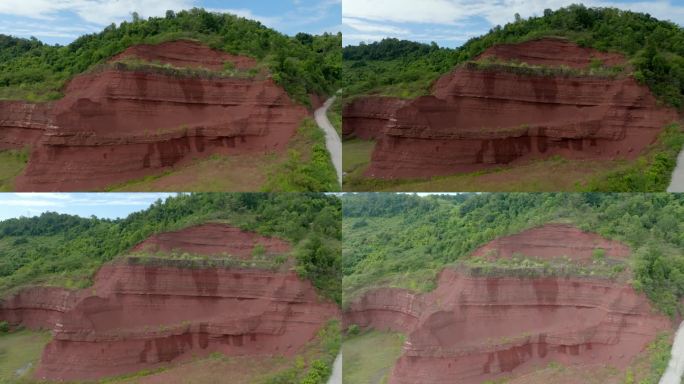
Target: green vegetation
(404, 240)
(303, 65)
(370, 356)
(491, 64)
(651, 172)
(658, 358)
(12, 163)
(316, 368)
(522, 266)
(19, 354)
(308, 166)
(66, 250)
(138, 65)
(335, 115)
(655, 50)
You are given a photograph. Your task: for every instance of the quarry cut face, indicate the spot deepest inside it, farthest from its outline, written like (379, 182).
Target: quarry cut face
(483, 116)
(137, 317)
(474, 328)
(118, 124)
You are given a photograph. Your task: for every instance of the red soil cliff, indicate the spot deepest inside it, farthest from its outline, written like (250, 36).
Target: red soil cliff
(476, 328)
(212, 239)
(137, 317)
(115, 125)
(480, 118)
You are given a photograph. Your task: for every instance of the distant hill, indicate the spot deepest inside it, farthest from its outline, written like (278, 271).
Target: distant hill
(304, 64)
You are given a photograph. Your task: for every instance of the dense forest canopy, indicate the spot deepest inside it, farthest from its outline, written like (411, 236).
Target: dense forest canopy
(304, 64)
(67, 250)
(655, 49)
(404, 240)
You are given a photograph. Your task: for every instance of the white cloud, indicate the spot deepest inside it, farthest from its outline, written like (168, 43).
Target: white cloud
(450, 12)
(365, 26)
(99, 12)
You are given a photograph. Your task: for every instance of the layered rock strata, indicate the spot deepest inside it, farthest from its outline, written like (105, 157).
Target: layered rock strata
(478, 117)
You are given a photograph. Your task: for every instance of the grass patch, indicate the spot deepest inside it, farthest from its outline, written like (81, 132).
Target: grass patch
(356, 157)
(369, 357)
(12, 163)
(651, 172)
(495, 65)
(19, 354)
(308, 167)
(138, 65)
(314, 365)
(335, 115)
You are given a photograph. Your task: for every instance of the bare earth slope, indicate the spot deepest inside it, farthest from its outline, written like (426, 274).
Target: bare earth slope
(117, 124)
(142, 316)
(477, 118)
(474, 328)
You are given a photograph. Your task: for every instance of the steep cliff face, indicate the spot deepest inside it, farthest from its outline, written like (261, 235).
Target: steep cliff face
(22, 124)
(141, 316)
(117, 124)
(212, 239)
(367, 117)
(476, 328)
(478, 118)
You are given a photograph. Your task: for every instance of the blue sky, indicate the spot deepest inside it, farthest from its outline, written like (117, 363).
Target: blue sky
(62, 21)
(104, 205)
(451, 22)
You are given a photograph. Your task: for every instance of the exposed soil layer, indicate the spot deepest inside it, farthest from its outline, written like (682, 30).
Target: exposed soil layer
(553, 241)
(22, 124)
(115, 125)
(187, 54)
(477, 119)
(212, 239)
(137, 317)
(471, 329)
(552, 52)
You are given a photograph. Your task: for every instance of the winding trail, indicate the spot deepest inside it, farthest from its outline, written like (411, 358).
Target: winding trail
(336, 377)
(332, 139)
(675, 368)
(677, 182)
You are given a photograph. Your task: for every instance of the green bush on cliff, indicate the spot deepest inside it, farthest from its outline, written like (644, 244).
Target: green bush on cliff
(654, 48)
(67, 250)
(304, 64)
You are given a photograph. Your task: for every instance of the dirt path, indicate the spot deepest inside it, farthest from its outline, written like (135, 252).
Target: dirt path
(677, 183)
(675, 368)
(332, 139)
(336, 377)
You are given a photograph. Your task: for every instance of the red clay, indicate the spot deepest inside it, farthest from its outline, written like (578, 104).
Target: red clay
(186, 53)
(478, 119)
(472, 329)
(552, 241)
(212, 239)
(22, 124)
(139, 317)
(114, 125)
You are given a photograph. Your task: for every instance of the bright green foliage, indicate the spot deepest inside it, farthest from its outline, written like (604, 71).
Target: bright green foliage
(308, 166)
(303, 65)
(655, 49)
(651, 172)
(404, 240)
(66, 250)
